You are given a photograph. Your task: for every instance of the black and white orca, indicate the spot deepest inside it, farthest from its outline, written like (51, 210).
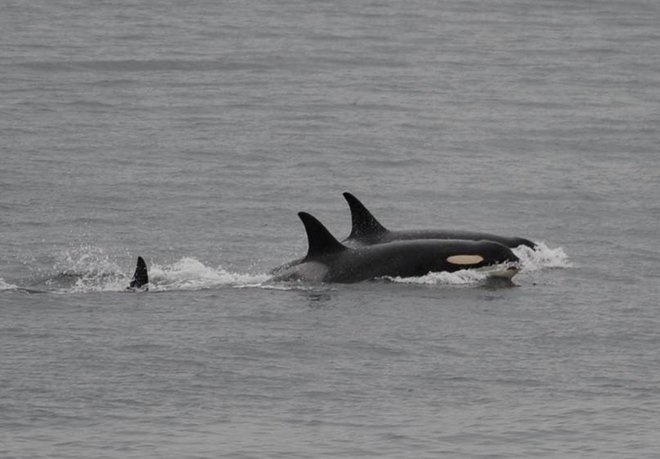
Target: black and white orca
(329, 260)
(366, 230)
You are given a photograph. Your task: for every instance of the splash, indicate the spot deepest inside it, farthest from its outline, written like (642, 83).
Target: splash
(7, 286)
(541, 257)
(462, 277)
(537, 259)
(88, 269)
(191, 274)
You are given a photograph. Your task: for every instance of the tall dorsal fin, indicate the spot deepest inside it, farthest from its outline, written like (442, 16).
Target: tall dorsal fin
(320, 241)
(364, 225)
(141, 277)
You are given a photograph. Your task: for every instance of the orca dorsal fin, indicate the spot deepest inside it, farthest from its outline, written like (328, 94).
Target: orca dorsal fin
(363, 224)
(319, 239)
(141, 277)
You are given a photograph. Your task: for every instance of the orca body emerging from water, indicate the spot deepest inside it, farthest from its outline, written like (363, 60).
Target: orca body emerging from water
(328, 260)
(140, 281)
(366, 230)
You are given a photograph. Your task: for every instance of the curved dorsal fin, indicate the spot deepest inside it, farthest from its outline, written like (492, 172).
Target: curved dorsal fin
(364, 225)
(141, 277)
(320, 241)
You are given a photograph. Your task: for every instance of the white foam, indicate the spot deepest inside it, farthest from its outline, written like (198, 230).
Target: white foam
(462, 277)
(191, 274)
(541, 257)
(89, 269)
(7, 286)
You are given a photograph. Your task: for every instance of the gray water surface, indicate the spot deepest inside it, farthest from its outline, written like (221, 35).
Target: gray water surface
(192, 134)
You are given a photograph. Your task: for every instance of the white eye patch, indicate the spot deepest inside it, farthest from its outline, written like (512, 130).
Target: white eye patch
(465, 259)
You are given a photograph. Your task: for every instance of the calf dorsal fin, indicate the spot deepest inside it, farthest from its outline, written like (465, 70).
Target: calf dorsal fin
(319, 239)
(141, 277)
(364, 226)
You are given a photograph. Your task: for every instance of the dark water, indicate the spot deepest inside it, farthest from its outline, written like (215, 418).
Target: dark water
(192, 133)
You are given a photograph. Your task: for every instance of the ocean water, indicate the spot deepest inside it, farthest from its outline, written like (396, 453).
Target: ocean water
(191, 133)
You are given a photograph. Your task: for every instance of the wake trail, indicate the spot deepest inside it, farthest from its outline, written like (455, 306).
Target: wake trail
(91, 270)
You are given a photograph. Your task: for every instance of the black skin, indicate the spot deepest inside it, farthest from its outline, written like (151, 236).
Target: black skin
(328, 260)
(391, 236)
(367, 230)
(400, 259)
(141, 277)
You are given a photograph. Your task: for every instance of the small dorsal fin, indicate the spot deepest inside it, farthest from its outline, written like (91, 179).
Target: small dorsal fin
(364, 225)
(320, 241)
(140, 278)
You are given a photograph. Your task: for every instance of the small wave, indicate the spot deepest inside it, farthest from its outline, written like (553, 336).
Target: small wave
(6, 285)
(145, 65)
(191, 274)
(462, 277)
(541, 257)
(88, 269)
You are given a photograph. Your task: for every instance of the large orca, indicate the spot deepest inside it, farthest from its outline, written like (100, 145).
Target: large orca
(140, 279)
(328, 260)
(367, 230)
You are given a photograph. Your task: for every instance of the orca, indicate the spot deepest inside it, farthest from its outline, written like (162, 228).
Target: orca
(329, 260)
(140, 281)
(366, 230)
